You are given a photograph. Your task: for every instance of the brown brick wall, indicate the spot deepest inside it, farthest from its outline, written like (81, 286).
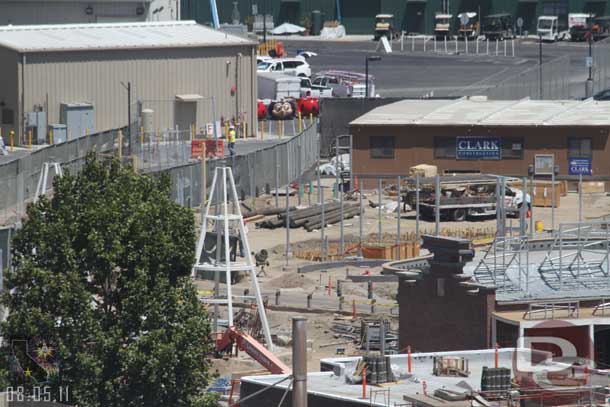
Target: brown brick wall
(457, 321)
(415, 145)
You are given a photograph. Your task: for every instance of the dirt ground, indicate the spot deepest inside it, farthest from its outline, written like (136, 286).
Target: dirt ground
(282, 274)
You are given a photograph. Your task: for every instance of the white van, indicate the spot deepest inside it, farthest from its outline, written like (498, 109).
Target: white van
(548, 28)
(289, 66)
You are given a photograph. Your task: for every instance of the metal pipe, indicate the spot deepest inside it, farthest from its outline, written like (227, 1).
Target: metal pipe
(417, 207)
(579, 199)
(382, 337)
(553, 196)
(437, 204)
(360, 213)
(379, 192)
(299, 361)
(398, 219)
(287, 221)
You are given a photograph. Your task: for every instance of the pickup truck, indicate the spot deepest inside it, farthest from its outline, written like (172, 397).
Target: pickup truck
(465, 196)
(315, 91)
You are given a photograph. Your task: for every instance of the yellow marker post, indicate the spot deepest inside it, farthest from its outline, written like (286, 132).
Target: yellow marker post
(280, 128)
(12, 135)
(300, 122)
(51, 136)
(310, 119)
(120, 145)
(29, 138)
(262, 130)
(245, 129)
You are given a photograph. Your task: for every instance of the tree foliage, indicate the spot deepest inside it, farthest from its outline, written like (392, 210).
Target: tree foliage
(102, 270)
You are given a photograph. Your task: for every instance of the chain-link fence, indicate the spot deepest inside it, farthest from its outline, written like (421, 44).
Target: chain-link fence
(19, 178)
(601, 65)
(263, 170)
(549, 81)
(263, 166)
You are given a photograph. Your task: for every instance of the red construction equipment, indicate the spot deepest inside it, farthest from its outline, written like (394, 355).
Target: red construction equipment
(254, 348)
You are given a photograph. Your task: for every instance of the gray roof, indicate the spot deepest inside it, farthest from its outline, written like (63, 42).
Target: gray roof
(84, 37)
(478, 111)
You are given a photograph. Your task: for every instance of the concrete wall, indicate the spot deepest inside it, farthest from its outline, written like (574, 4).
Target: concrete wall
(71, 11)
(415, 145)
(456, 321)
(156, 76)
(273, 396)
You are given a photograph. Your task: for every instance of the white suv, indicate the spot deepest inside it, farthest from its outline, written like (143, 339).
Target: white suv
(290, 66)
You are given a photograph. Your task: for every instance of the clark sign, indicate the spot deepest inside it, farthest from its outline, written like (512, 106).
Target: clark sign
(478, 148)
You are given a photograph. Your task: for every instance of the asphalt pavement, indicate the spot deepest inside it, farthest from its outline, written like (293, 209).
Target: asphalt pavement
(416, 74)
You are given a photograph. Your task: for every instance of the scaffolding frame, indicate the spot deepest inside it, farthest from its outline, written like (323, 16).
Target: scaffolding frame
(578, 258)
(43, 180)
(223, 185)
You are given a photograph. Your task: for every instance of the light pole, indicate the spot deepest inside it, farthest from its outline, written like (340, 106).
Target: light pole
(371, 58)
(540, 65)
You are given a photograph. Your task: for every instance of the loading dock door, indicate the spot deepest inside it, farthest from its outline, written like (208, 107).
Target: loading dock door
(185, 111)
(359, 17)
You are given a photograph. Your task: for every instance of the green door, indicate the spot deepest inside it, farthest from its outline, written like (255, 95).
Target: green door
(415, 15)
(359, 16)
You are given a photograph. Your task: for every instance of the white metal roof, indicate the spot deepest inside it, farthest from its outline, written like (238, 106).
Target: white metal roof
(79, 37)
(481, 112)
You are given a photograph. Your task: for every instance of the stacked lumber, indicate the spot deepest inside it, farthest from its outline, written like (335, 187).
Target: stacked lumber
(311, 218)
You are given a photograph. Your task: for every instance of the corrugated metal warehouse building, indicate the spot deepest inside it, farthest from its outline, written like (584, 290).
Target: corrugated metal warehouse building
(85, 11)
(174, 68)
(477, 135)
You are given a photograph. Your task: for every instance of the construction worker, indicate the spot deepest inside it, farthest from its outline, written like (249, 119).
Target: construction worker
(232, 134)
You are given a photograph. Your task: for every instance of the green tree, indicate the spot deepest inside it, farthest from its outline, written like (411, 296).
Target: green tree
(102, 270)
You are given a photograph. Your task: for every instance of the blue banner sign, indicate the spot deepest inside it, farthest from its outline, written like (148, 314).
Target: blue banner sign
(578, 166)
(478, 148)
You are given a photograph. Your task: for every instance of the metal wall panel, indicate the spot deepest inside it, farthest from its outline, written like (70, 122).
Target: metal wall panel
(70, 12)
(156, 77)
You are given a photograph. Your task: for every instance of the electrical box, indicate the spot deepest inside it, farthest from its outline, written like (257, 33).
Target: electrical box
(79, 119)
(60, 133)
(36, 122)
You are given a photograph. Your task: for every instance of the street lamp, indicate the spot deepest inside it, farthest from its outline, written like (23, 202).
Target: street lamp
(371, 58)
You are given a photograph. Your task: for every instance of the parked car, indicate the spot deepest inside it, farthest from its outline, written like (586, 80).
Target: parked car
(603, 95)
(498, 26)
(290, 66)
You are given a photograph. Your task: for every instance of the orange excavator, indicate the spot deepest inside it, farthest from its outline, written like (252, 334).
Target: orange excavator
(256, 350)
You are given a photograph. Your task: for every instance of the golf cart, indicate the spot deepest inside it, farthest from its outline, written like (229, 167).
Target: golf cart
(548, 28)
(384, 26)
(442, 28)
(498, 26)
(470, 30)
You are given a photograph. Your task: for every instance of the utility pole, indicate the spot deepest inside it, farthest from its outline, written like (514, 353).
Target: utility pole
(128, 88)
